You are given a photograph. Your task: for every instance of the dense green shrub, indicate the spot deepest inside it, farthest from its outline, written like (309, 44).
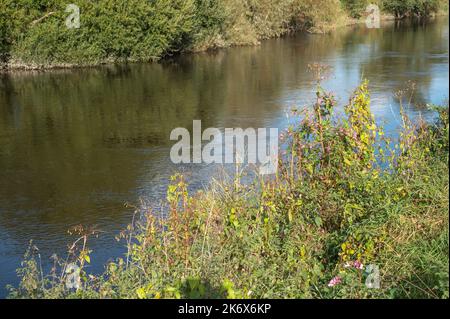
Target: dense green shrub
(356, 8)
(12, 18)
(402, 8)
(269, 18)
(208, 25)
(5, 37)
(110, 30)
(319, 15)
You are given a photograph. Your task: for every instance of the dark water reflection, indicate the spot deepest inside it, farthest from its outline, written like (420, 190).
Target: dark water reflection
(76, 145)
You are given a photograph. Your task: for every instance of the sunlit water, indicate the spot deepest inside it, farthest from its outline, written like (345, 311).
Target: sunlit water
(76, 145)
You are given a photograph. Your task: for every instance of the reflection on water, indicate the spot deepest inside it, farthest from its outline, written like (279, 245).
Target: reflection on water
(76, 145)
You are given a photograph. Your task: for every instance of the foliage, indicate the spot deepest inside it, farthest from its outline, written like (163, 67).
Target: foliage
(319, 16)
(356, 8)
(402, 8)
(33, 33)
(343, 199)
(110, 30)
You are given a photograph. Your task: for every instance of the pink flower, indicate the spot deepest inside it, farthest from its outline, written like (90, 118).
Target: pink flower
(335, 281)
(358, 265)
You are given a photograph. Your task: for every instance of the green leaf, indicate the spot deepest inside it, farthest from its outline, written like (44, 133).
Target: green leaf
(318, 221)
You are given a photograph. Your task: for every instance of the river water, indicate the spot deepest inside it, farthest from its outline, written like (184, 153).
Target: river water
(76, 145)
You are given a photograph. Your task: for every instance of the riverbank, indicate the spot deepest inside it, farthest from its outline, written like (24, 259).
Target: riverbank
(41, 36)
(350, 214)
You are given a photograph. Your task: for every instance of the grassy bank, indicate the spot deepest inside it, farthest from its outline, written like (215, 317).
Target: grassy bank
(33, 33)
(345, 197)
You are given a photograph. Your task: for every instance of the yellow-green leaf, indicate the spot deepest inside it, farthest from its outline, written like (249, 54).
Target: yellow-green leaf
(141, 293)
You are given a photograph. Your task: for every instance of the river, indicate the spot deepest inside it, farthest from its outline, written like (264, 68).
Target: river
(76, 145)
